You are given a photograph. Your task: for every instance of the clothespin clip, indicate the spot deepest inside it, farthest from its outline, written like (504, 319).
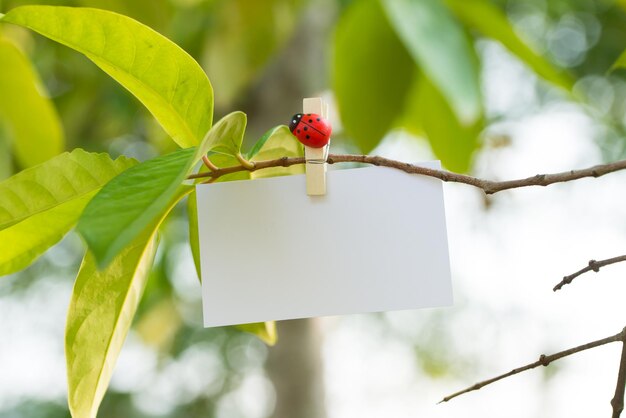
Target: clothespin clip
(311, 127)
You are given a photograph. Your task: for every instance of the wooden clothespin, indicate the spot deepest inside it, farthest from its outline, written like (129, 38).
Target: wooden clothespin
(315, 157)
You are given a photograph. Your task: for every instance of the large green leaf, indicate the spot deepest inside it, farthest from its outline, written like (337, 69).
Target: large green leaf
(134, 199)
(442, 50)
(131, 201)
(101, 311)
(41, 204)
(23, 243)
(452, 141)
(371, 72)
(168, 81)
(489, 20)
(22, 101)
(57, 181)
(6, 160)
(155, 13)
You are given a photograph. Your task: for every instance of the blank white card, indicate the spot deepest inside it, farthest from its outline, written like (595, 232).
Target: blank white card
(375, 242)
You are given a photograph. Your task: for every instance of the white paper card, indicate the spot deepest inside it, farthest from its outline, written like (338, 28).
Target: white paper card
(375, 242)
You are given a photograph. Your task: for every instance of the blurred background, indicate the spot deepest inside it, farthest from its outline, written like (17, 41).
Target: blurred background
(542, 99)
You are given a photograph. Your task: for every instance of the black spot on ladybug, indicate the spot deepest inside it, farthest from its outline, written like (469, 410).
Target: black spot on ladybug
(306, 129)
(298, 130)
(310, 120)
(307, 137)
(308, 114)
(318, 119)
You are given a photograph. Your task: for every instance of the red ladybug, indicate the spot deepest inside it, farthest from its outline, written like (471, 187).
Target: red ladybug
(310, 129)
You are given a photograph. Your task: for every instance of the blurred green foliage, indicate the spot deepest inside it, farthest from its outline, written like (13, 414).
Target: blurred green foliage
(33, 143)
(211, 31)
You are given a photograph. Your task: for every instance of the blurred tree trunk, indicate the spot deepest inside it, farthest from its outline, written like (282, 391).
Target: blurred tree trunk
(294, 364)
(295, 367)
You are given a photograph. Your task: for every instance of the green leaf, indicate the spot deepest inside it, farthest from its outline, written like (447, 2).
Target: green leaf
(24, 242)
(130, 202)
(278, 136)
(489, 20)
(6, 160)
(442, 50)
(371, 72)
(47, 200)
(451, 141)
(134, 199)
(101, 311)
(227, 135)
(155, 13)
(168, 81)
(266, 331)
(278, 142)
(22, 101)
(57, 181)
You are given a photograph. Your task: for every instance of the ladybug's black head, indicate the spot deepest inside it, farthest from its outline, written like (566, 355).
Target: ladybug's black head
(295, 119)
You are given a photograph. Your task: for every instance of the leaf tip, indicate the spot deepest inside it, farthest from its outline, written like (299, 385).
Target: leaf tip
(102, 257)
(270, 337)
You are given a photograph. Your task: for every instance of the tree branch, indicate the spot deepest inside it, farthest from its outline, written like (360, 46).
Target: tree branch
(488, 186)
(543, 361)
(618, 399)
(593, 265)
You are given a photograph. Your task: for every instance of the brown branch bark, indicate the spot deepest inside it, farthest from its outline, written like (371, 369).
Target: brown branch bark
(488, 186)
(593, 265)
(618, 399)
(543, 361)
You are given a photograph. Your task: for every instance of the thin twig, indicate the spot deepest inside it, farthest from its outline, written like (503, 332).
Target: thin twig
(543, 361)
(488, 186)
(618, 399)
(593, 265)
(258, 165)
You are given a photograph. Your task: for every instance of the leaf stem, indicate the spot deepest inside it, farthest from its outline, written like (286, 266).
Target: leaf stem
(248, 165)
(209, 164)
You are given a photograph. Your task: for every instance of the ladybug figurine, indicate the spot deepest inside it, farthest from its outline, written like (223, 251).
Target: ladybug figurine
(310, 129)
